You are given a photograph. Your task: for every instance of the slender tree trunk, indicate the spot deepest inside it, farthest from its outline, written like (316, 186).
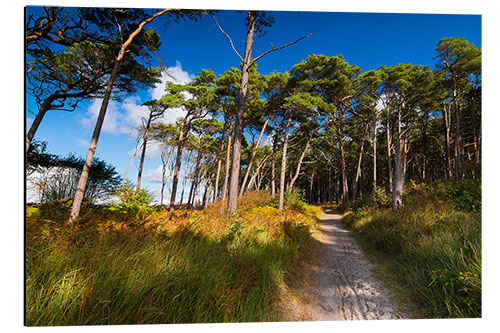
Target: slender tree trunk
(447, 122)
(458, 136)
(252, 157)
(338, 195)
(358, 168)
(389, 143)
(82, 183)
(311, 184)
(163, 180)
(38, 119)
(219, 162)
(303, 154)
(206, 197)
(177, 167)
(257, 172)
(424, 148)
(273, 164)
(475, 132)
(143, 154)
(343, 165)
(238, 126)
(228, 155)
(136, 151)
(397, 192)
(194, 182)
(283, 165)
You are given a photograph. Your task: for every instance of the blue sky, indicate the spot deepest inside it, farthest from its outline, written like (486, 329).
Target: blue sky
(368, 40)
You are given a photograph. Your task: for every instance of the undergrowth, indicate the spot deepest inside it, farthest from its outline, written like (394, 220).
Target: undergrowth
(187, 266)
(431, 248)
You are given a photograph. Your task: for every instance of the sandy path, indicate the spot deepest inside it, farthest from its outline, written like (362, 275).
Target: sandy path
(339, 283)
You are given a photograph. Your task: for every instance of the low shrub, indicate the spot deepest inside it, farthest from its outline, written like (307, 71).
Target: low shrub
(132, 201)
(466, 194)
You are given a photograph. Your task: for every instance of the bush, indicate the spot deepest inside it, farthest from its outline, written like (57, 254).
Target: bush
(379, 199)
(294, 199)
(466, 194)
(132, 201)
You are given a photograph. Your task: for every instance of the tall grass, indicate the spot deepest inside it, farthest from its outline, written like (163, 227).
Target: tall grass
(431, 248)
(171, 268)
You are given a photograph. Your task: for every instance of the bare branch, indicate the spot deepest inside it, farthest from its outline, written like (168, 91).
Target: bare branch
(230, 41)
(280, 47)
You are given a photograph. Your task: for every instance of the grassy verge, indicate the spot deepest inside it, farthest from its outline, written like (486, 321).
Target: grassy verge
(179, 267)
(430, 251)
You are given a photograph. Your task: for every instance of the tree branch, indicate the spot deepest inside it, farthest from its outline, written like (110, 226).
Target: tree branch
(280, 47)
(230, 41)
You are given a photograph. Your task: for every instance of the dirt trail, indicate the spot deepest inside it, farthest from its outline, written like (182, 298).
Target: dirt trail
(339, 283)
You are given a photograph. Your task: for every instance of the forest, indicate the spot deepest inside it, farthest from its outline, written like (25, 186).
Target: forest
(246, 172)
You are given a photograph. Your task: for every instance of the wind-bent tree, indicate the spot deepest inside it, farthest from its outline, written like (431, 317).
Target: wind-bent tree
(77, 201)
(59, 78)
(255, 22)
(63, 26)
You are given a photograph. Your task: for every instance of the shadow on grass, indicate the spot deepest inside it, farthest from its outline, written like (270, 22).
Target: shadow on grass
(146, 278)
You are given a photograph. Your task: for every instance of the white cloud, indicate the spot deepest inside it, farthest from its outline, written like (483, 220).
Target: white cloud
(153, 175)
(112, 123)
(173, 74)
(153, 150)
(123, 117)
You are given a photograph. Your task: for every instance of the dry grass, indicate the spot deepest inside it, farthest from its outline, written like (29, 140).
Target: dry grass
(185, 266)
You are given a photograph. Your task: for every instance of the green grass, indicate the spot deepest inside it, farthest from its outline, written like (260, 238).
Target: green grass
(92, 276)
(429, 251)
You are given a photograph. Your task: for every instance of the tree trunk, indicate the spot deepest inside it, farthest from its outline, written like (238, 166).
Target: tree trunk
(163, 180)
(358, 168)
(177, 168)
(343, 165)
(36, 122)
(206, 197)
(458, 136)
(252, 157)
(257, 172)
(143, 154)
(238, 126)
(194, 182)
(303, 154)
(397, 192)
(389, 142)
(82, 183)
(424, 147)
(130, 163)
(446, 115)
(273, 164)
(283, 165)
(311, 184)
(228, 155)
(219, 162)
